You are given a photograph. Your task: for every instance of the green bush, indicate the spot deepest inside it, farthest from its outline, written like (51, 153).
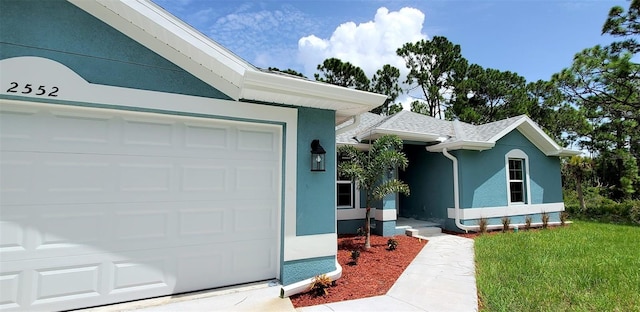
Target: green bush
(601, 208)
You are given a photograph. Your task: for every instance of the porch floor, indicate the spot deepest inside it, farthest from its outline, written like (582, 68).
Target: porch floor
(414, 227)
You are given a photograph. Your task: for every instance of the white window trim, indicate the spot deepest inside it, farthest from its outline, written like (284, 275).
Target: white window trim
(518, 154)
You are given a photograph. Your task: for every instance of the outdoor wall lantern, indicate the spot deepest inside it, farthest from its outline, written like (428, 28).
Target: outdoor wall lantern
(317, 156)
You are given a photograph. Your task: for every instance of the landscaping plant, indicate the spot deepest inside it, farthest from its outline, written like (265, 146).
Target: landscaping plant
(545, 220)
(563, 218)
(355, 254)
(505, 224)
(527, 223)
(320, 285)
(482, 225)
(369, 170)
(392, 244)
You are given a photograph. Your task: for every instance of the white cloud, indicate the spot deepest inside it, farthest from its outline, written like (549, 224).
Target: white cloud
(368, 45)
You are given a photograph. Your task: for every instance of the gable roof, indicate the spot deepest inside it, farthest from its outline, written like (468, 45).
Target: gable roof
(452, 135)
(171, 38)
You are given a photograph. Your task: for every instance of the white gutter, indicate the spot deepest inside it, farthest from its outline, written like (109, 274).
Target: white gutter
(356, 122)
(456, 194)
(303, 285)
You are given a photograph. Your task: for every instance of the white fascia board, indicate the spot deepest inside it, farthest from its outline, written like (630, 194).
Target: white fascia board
(534, 134)
(566, 153)
(457, 145)
(405, 135)
(174, 40)
(273, 88)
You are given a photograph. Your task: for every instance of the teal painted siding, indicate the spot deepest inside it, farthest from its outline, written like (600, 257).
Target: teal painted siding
(316, 195)
(97, 52)
(430, 177)
(298, 270)
(483, 174)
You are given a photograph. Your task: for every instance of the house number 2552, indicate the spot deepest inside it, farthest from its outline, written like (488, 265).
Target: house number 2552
(29, 89)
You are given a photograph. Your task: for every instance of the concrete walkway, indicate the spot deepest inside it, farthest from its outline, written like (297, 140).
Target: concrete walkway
(440, 278)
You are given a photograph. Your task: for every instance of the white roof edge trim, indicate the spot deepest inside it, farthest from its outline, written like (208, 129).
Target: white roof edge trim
(467, 145)
(266, 87)
(402, 134)
(565, 152)
(171, 38)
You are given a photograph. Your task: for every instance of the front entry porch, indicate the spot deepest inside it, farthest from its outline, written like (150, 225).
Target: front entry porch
(413, 227)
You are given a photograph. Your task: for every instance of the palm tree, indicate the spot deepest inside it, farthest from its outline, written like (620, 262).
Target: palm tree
(578, 167)
(368, 170)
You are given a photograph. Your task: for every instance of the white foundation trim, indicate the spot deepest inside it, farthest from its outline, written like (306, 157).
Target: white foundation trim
(354, 213)
(385, 215)
(512, 210)
(310, 246)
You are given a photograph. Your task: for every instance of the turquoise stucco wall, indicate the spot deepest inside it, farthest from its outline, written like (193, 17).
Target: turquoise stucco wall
(316, 195)
(297, 270)
(483, 174)
(99, 53)
(430, 177)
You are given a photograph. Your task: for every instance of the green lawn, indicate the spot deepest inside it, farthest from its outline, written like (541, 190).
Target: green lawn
(582, 267)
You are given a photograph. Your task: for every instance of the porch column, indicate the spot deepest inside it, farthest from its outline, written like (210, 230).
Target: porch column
(385, 218)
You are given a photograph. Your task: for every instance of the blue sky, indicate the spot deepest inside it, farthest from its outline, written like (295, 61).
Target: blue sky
(534, 38)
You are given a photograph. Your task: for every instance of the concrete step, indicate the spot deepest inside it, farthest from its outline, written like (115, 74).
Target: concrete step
(423, 231)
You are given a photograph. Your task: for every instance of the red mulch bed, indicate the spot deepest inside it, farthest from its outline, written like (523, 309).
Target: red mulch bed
(376, 271)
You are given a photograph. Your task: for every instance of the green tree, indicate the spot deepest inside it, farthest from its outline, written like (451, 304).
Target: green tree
(626, 25)
(368, 170)
(558, 118)
(577, 167)
(435, 66)
(344, 74)
(605, 84)
(487, 95)
(385, 81)
(287, 71)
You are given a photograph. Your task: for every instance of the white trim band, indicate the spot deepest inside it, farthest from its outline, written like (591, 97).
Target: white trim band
(513, 210)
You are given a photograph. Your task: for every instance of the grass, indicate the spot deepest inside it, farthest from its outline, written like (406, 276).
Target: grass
(586, 266)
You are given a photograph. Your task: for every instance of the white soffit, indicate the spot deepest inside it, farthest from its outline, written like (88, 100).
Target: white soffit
(173, 39)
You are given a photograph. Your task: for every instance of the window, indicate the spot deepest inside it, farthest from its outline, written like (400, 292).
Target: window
(518, 186)
(516, 180)
(345, 189)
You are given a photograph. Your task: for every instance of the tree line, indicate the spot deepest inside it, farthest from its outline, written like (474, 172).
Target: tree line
(594, 104)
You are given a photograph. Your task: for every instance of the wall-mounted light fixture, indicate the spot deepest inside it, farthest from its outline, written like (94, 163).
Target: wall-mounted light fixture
(317, 156)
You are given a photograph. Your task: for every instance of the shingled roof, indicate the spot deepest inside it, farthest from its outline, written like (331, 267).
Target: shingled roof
(443, 134)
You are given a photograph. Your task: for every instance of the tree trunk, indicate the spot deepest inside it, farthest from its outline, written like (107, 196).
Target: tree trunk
(583, 207)
(367, 229)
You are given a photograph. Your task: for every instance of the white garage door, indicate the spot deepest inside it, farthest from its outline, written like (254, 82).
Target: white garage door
(101, 206)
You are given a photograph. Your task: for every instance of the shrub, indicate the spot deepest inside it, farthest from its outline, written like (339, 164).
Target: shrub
(392, 244)
(355, 254)
(527, 223)
(360, 231)
(482, 225)
(505, 224)
(563, 218)
(634, 211)
(320, 284)
(545, 220)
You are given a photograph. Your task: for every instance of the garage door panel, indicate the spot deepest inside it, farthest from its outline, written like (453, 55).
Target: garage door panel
(118, 206)
(82, 178)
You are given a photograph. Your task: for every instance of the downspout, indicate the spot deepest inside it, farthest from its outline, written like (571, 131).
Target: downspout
(456, 194)
(303, 285)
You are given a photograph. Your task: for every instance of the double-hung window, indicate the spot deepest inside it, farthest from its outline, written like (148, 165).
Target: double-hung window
(345, 189)
(516, 180)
